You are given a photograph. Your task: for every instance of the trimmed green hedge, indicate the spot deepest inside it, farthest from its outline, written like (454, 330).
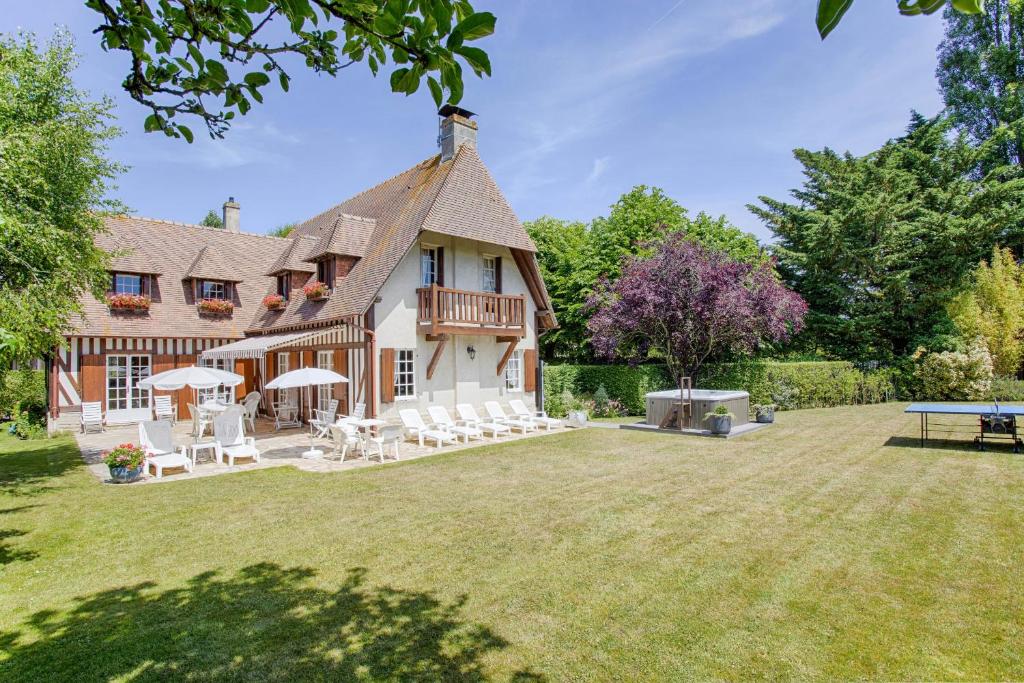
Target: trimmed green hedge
(810, 384)
(21, 388)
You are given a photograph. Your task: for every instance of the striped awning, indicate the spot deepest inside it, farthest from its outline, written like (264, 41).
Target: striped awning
(257, 347)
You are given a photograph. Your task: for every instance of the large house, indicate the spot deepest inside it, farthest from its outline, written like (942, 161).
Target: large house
(433, 296)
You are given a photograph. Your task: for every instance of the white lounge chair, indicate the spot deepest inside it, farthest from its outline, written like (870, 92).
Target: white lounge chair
(323, 419)
(251, 406)
(92, 416)
(415, 426)
(391, 434)
(497, 414)
(358, 413)
(163, 408)
(470, 418)
(540, 417)
(155, 438)
(346, 436)
(440, 416)
(229, 435)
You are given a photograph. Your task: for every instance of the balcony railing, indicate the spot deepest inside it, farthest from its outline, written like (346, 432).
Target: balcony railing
(456, 311)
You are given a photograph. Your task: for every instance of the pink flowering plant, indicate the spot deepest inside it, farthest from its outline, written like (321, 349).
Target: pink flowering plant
(128, 302)
(687, 305)
(126, 455)
(273, 301)
(316, 290)
(218, 306)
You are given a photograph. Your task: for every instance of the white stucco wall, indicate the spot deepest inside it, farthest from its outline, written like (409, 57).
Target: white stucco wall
(457, 379)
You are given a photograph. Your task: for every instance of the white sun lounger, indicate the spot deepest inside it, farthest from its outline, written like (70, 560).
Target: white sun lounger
(468, 414)
(541, 418)
(440, 416)
(415, 425)
(497, 413)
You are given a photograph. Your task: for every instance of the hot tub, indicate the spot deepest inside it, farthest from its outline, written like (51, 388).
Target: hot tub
(703, 401)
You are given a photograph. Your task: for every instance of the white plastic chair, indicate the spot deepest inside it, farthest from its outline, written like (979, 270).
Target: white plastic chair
(286, 414)
(467, 413)
(415, 426)
(497, 414)
(230, 438)
(323, 419)
(389, 435)
(92, 416)
(358, 413)
(163, 408)
(540, 417)
(346, 436)
(250, 407)
(440, 416)
(155, 438)
(199, 421)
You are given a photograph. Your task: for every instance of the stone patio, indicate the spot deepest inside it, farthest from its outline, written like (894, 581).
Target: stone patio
(276, 449)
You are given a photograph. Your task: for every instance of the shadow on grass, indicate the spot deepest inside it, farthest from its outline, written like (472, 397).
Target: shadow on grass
(28, 468)
(265, 622)
(9, 554)
(996, 446)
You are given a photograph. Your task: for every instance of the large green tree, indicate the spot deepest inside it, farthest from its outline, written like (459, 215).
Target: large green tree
(877, 245)
(212, 59)
(575, 257)
(54, 181)
(981, 73)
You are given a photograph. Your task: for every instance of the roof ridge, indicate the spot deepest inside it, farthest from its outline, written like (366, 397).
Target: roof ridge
(181, 224)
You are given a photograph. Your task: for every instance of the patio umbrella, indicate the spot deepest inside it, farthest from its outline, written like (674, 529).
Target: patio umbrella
(193, 376)
(306, 377)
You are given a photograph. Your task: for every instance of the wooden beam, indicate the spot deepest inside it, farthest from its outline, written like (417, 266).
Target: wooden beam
(436, 337)
(517, 332)
(438, 350)
(505, 340)
(508, 354)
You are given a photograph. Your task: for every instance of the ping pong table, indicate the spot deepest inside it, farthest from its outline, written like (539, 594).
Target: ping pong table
(995, 421)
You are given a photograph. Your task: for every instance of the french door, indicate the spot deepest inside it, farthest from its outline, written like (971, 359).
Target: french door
(324, 392)
(124, 372)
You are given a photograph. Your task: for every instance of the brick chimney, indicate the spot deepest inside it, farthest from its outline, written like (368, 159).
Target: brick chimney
(456, 130)
(232, 219)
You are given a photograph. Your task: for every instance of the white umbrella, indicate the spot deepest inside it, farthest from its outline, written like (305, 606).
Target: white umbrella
(192, 376)
(306, 377)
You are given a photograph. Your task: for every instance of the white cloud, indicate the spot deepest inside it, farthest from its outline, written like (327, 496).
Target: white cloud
(598, 169)
(246, 143)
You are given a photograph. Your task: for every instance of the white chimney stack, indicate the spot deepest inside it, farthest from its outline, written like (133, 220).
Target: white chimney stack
(456, 130)
(232, 217)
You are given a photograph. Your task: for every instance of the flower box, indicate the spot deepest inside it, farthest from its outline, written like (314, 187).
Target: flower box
(216, 306)
(316, 291)
(274, 302)
(125, 462)
(128, 303)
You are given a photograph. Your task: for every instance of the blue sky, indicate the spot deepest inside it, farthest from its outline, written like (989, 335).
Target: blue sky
(703, 98)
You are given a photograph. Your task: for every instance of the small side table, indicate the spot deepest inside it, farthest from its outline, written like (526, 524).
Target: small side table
(205, 445)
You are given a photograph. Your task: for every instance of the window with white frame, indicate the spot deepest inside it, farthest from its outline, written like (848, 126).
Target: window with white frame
(212, 289)
(514, 371)
(127, 283)
(282, 367)
(324, 392)
(489, 274)
(124, 372)
(428, 266)
(405, 374)
(223, 393)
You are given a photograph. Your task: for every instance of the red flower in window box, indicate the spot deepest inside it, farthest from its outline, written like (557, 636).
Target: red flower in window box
(216, 306)
(316, 291)
(128, 302)
(273, 302)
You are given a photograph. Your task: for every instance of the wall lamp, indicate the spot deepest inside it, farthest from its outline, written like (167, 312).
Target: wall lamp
(471, 350)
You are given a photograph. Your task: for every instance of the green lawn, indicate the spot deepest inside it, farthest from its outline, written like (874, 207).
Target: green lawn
(820, 548)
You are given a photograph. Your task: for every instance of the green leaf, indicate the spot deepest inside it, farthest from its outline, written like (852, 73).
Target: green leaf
(478, 25)
(186, 133)
(914, 7)
(830, 13)
(152, 123)
(283, 79)
(217, 71)
(256, 79)
(969, 6)
(396, 78)
(435, 90)
(477, 59)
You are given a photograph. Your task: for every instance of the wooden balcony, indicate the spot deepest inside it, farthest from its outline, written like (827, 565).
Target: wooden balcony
(454, 311)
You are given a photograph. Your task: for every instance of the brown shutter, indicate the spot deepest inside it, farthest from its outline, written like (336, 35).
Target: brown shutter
(244, 367)
(530, 370)
(185, 393)
(497, 275)
(163, 363)
(440, 266)
(94, 379)
(271, 363)
(387, 375)
(340, 392)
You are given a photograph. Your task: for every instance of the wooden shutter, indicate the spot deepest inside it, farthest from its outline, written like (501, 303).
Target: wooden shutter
(163, 363)
(530, 370)
(340, 389)
(440, 266)
(497, 275)
(185, 393)
(387, 375)
(94, 379)
(271, 363)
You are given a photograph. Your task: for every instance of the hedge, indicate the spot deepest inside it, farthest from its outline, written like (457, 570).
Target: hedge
(21, 387)
(809, 384)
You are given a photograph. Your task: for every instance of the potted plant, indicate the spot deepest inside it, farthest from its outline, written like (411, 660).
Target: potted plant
(128, 303)
(764, 413)
(719, 420)
(216, 306)
(316, 291)
(125, 462)
(576, 414)
(273, 302)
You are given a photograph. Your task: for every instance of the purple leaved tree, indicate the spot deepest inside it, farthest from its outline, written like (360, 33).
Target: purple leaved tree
(688, 305)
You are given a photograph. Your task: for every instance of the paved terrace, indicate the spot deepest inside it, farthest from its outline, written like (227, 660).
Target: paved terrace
(276, 449)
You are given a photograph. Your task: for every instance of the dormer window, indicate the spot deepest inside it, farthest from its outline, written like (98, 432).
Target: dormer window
(213, 289)
(325, 272)
(129, 283)
(284, 285)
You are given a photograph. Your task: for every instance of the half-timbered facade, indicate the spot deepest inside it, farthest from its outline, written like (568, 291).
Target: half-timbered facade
(421, 290)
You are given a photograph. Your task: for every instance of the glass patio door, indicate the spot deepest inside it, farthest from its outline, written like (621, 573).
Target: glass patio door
(324, 392)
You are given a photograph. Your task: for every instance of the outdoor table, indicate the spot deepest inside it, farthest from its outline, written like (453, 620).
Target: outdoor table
(196, 447)
(367, 424)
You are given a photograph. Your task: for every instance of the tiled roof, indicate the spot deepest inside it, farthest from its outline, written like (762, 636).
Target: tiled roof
(347, 235)
(128, 257)
(458, 197)
(295, 256)
(171, 249)
(211, 264)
